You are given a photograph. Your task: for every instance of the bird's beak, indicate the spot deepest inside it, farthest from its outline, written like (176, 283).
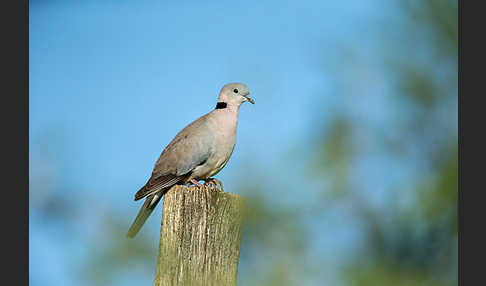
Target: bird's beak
(248, 98)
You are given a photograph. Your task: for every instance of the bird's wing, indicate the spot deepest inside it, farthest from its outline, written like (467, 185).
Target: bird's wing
(190, 148)
(157, 183)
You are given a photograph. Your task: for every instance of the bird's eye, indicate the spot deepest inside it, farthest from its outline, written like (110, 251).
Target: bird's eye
(235, 90)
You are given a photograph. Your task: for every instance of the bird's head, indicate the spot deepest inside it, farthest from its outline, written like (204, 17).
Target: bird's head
(235, 94)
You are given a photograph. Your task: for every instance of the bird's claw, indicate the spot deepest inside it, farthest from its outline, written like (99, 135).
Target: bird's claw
(215, 182)
(196, 183)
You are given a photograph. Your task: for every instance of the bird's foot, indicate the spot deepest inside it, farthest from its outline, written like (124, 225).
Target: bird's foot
(216, 182)
(196, 183)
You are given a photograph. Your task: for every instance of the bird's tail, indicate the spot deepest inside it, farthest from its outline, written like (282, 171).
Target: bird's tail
(147, 208)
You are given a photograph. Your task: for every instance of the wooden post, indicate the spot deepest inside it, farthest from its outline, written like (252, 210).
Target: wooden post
(200, 237)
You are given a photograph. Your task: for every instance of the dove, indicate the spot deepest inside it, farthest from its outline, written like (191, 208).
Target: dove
(197, 152)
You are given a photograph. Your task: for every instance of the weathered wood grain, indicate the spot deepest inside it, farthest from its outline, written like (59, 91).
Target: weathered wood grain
(200, 237)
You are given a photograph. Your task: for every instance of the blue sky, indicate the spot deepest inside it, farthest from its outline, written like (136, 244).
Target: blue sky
(111, 83)
(120, 80)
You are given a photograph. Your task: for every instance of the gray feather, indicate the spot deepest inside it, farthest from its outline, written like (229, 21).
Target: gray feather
(191, 146)
(144, 213)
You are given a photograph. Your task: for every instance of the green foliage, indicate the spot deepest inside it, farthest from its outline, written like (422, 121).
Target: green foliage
(413, 243)
(114, 254)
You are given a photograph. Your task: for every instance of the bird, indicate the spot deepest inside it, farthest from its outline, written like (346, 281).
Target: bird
(198, 152)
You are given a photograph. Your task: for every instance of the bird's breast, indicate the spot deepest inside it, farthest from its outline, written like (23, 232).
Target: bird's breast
(222, 150)
(223, 126)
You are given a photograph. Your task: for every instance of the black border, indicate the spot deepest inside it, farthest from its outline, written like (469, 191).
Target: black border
(15, 141)
(471, 206)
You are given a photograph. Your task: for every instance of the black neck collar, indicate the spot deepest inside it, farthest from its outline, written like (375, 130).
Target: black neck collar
(221, 105)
